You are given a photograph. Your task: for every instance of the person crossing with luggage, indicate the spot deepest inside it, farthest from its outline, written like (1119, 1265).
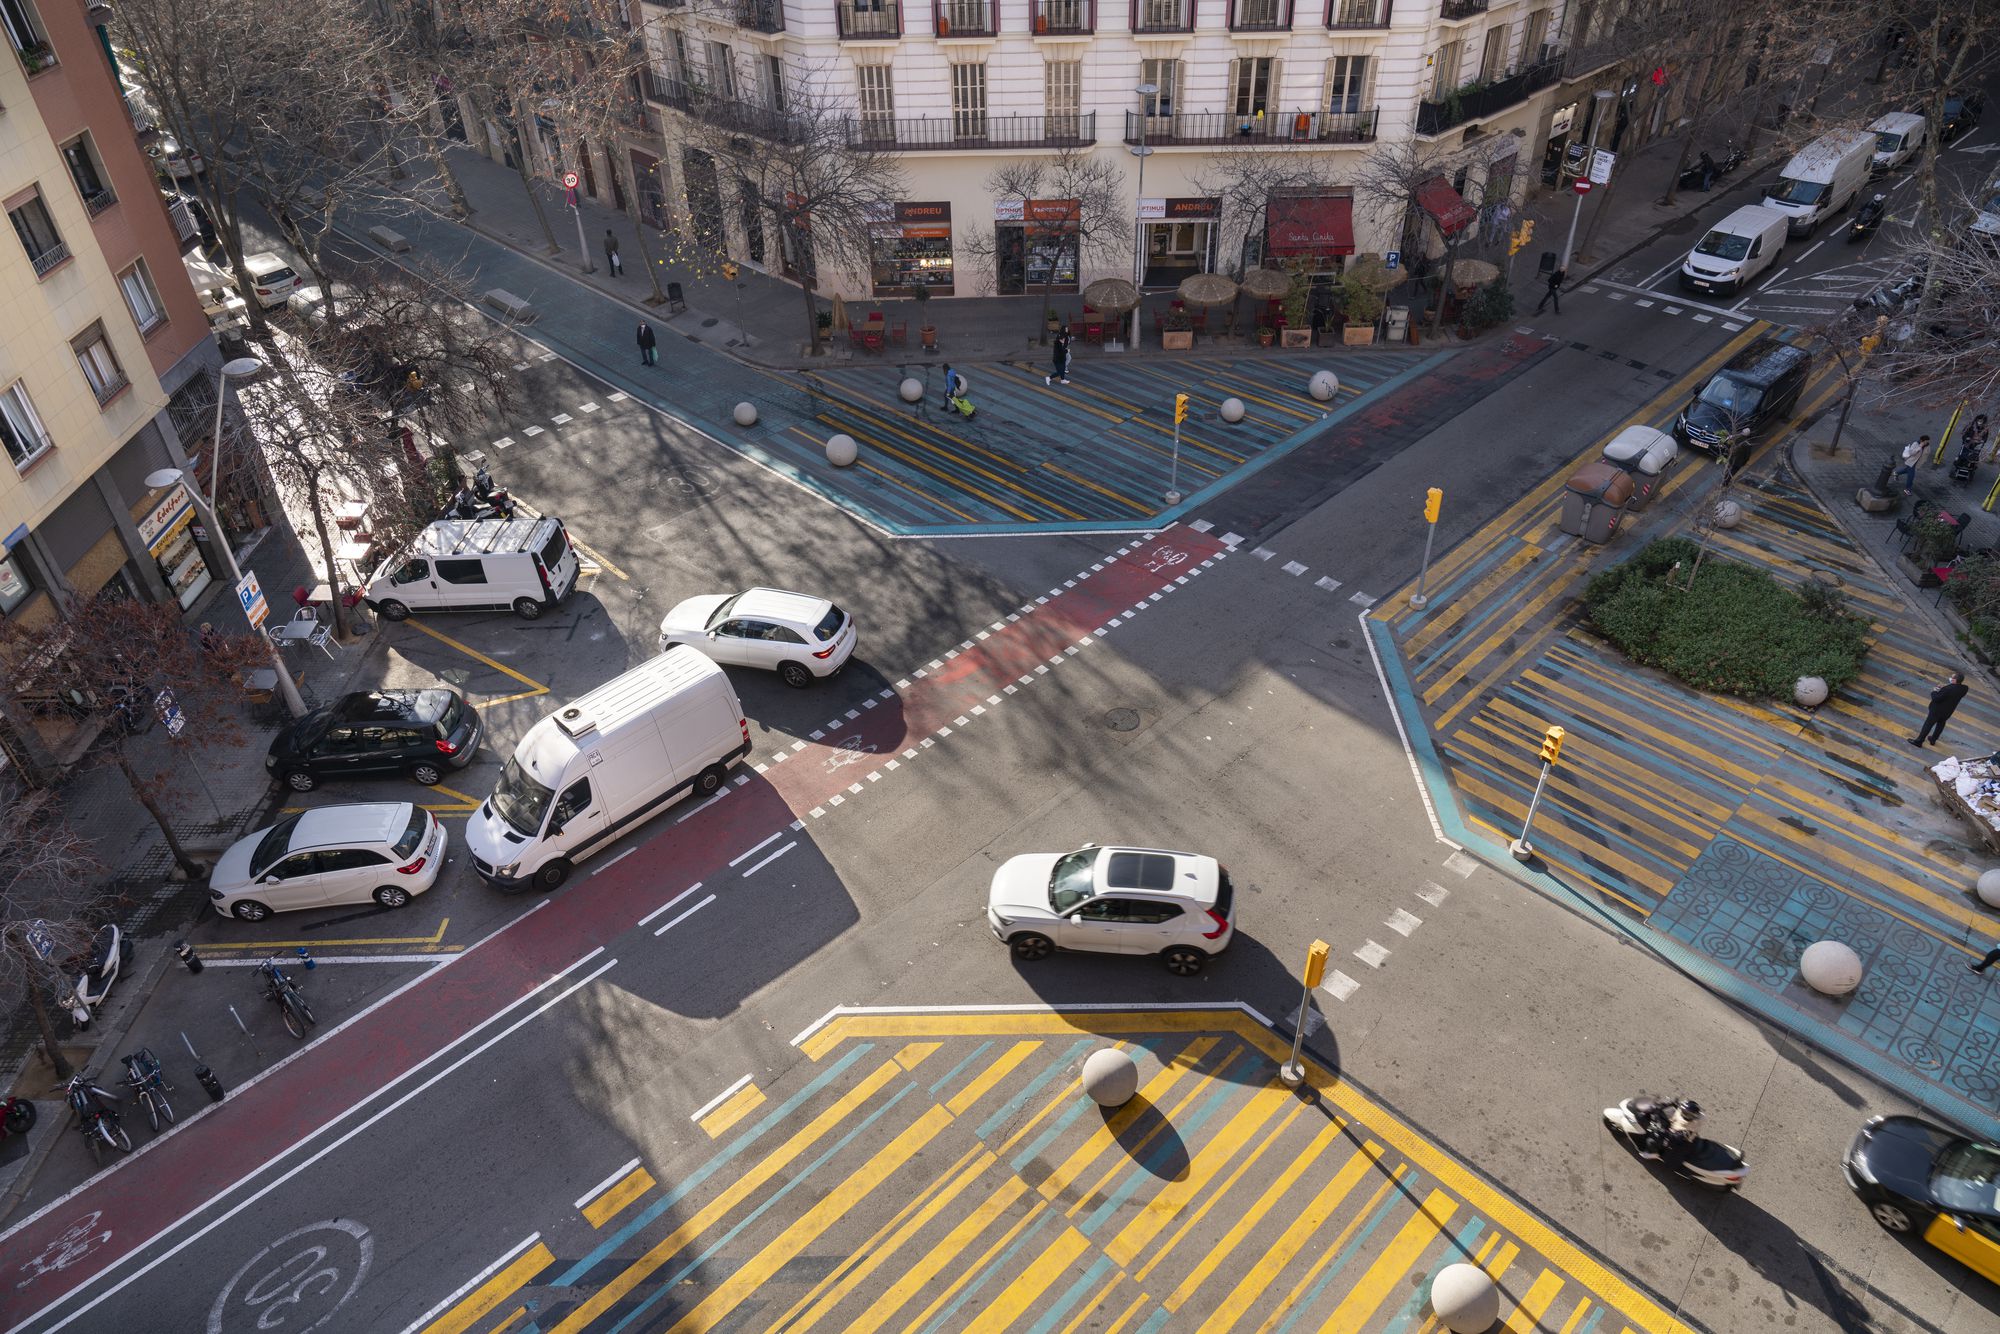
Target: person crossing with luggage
(954, 392)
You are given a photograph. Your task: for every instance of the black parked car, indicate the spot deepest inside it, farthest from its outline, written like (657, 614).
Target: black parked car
(418, 732)
(1960, 115)
(1759, 386)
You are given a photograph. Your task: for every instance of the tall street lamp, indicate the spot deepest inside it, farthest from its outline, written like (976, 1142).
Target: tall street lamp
(236, 369)
(1140, 151)
(1603, 97)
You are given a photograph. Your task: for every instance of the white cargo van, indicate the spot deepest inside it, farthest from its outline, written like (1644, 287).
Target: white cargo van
(1822, 178)
(1898, 137)
(594, 769)
(523, 565)
(1736, 250)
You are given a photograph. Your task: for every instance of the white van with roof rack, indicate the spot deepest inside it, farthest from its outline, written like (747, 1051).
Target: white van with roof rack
(526, 566)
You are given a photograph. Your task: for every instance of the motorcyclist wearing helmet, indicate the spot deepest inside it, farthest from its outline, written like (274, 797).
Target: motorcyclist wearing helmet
(1672, 1131)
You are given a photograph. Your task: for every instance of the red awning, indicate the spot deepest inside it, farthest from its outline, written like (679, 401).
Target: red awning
(1437, 198)
(1322, 225)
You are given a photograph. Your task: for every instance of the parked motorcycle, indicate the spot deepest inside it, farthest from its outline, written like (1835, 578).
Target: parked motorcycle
(1640, 1121)
(1867, 218)
(1707, 171)
(109, 953)
(17, 1116)
(144, 1076)
(96, 1119)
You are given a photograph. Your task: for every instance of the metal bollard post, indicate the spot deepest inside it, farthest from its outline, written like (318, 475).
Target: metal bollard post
(306, 960)
(185, 953)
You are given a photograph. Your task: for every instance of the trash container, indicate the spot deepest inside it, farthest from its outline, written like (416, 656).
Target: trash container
(1595, 500)
(1646, 454)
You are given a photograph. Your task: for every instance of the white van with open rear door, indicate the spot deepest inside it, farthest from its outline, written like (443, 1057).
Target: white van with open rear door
(601, 766)
(526, 566)
(1822, 178)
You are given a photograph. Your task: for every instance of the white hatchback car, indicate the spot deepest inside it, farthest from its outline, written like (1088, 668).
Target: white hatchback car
(272, 281)
(384, 852)
(800, 638)
(1178, 905)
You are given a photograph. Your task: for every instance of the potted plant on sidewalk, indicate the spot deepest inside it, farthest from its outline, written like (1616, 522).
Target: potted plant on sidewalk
(1298, 331)
(1364, 306)
(921, 294)
(1177, 332)
(1265, 335)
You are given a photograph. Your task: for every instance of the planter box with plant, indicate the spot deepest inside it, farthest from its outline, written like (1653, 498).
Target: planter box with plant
(1177, 332)
(1363, 305)
(1298, 306)
(925, 329)
(1265, 335)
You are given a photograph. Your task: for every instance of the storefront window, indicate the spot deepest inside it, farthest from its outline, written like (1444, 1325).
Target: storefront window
(1035, 240)
(169, 531)
(1178, 238)
(14, 587)
(912, 249)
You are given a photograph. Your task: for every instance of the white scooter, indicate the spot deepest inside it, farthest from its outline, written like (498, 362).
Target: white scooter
(1709, 1162)
(109, 953)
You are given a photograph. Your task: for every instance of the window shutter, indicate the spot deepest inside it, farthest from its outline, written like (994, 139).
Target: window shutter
(1275, 99)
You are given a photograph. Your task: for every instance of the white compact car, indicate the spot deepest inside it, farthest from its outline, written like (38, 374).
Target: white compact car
(1177, 905)
(800, 638)
(272, 281)
(382, 852)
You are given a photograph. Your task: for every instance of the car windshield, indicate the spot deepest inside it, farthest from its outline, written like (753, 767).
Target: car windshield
(829, 624)
(1071, 882)
(1966, 1178)
(454, 709)
(720, 614)
(520, 800)
(1731, 397)
(1887, 141)
(1724, 245)
(413, 833)
(272, 846)
(1789, 191)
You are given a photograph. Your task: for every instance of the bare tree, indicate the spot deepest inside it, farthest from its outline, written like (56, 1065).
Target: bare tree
(1943, 344)
(1073, 207)
(1246, 181)
(46, 896)
(1393, 182)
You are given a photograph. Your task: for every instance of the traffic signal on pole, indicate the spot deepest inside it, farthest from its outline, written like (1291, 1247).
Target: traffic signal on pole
(1552, 745)
(1180, 408)
(1433, 499)
(1316, 963)
(1522, 235)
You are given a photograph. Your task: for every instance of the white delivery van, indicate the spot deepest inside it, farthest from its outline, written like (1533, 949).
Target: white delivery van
(1736, 250)
(1822, 178)
(523, 565)
(603, 765)
(1898, 137)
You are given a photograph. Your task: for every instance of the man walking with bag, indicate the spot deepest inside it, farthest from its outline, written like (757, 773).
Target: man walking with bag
(1554, 293)
(611, 259)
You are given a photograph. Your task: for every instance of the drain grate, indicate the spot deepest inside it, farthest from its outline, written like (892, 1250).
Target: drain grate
(1122, 720)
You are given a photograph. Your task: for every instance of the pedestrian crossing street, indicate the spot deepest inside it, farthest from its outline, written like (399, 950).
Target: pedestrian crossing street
(933, 1170)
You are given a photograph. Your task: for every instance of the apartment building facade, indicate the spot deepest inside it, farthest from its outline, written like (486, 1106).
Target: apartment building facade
(106, 359)
(958, 87)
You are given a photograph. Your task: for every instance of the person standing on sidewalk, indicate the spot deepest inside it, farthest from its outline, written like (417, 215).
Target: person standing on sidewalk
(1944, 700)
(1060, 359)
(646, 345)
(1992, 957)
(1554, 293)
(1913, 454)
(611, 259)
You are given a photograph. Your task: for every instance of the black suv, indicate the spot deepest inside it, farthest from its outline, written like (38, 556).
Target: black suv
(418, 732)
(1760, 385)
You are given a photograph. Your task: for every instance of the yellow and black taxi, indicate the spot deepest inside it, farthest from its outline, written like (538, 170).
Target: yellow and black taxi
(1916, 1177)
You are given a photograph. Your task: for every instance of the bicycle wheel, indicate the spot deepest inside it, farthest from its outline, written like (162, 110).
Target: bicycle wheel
(152, 1102)
(97, 1141)
(166, 1108)
(294, 1020)
(305, 1010)
(114, 1135)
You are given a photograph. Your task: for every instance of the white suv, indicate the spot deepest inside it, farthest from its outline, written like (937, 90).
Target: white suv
(381, 852)
(1178, 905)
(800, 638)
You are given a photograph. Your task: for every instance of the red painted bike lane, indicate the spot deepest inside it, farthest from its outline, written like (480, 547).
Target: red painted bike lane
(143, 1206)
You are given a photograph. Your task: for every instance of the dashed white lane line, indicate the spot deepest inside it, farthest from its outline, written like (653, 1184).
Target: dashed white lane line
(669, 903)
(774, 856)
(1372, 954)
(1403, 923)
(1461, 864)
(618, 397)
(531, 431)
(1362, 600)
(1328, 582)
(504, 442)
(751, 852)
(1339, 986)
(1293, 568)
(562, 419)
(682, 916)
(1433, 893)
(586, 407)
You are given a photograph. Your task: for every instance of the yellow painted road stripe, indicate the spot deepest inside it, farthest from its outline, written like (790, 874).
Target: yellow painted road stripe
(915, 1053)
(1130, 1311)
(956, 483)
(1095, 1304)
(1134, 1151)
(1473, 599)
(1576, 1316)
(1106, 1135)
(1496, 1268)
(1010, 1302)
(534, 687)
(1281, 1252)
(1177, 1194)
(507, 1321)
(745, 1187)
(1408, 1247)
(1219, 1194)
(723, 1299)
(733, 1109)
(977, 1266)
(486, 1298)
(434, 938)
(970, 1095)
(885, 1306)
(1557, 832)
(1527, 1317)
(1104, 491)
(608, 1205)
(1335, 1247)
(1530, 619)
(603, 561)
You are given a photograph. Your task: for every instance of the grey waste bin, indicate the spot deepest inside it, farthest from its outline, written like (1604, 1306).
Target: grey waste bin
(1594, 500)
(1646, 454)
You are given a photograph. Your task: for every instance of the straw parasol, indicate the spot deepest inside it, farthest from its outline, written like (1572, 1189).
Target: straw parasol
(839, 313)
(1266, 284)
(1114, 296)
(1473, 273)
(1208, 289)
(1371, 272)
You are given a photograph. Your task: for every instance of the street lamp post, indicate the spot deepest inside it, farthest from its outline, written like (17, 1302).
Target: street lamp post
(1603, 97)
(231, 370)
(1140, 151)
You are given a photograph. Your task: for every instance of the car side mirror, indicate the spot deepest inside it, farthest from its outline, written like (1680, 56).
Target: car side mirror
(270, 880)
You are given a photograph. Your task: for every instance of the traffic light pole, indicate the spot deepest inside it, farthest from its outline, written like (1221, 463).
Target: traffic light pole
(1552, 741)
(1173, 496)
(1293, 1071)
(1433, 499)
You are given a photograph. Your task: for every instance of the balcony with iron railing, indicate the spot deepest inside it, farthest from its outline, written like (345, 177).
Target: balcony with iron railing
(758, 15)
(966, 131)
(1461, 9)
(1062, 18)
(1158, 16)
(1350, 14)
(1260, 129)
(96, 201)
(1260, 15)
(1479, 101)
(965, 18)
(49, 259)
(866, 20)
(729, 113)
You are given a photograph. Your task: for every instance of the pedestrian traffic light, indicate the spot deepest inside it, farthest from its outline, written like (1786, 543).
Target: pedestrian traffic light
(1316, 962)
(1522, 235)
(1433, 499)
(1552, 745)
(1180, 408)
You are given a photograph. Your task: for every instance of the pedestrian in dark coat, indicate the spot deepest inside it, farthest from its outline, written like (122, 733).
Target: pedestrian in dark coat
(646, 345)
(1554, 293)
(1060, 358)
(611, 259)
(1943, 701)
(1992, 957)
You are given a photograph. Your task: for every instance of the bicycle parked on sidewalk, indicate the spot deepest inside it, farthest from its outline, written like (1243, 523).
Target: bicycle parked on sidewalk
(96, 1119)
(145, 1077)
(281, 991)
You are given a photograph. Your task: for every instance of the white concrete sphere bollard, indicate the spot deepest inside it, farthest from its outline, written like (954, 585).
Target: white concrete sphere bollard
(1465, 1299)
(746, 414)
(1323, 386)
(1232, 409)
(1728, 514)
(1989, 888)
(1110, 1077)
(911, 389)
(1830, 967)
(1810, 692)
(841, 449)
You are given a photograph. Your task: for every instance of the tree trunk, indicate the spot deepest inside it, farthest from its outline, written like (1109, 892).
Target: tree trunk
(535, 200)
(325, 533)
(812, 317)
(461, 208)
(630, 183)
(182, 858)
(1048, 297)
(58, 1064)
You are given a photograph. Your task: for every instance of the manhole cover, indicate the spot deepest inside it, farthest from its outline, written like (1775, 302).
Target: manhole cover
(1122, 720)
(710, 323)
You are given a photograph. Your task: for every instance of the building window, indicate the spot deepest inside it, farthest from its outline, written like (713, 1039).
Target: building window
(24, 30)
(968, 101)
(20, 428)
(1493, 60)
(1063, 82)
(878, 101)
(88, 173)
(100, 367)
(722, 71)
(38, 234)
(774, 82)
(1346, 85)
(1444, 72)
(683, 68)
(1535, 35)
(1250, 85)
(1164, 75)
(142, 298)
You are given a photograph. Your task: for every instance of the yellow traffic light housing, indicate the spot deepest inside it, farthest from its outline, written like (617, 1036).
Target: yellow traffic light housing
(1316, 962)
(1180, 408)
(1433, 501)
(1552, 745)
